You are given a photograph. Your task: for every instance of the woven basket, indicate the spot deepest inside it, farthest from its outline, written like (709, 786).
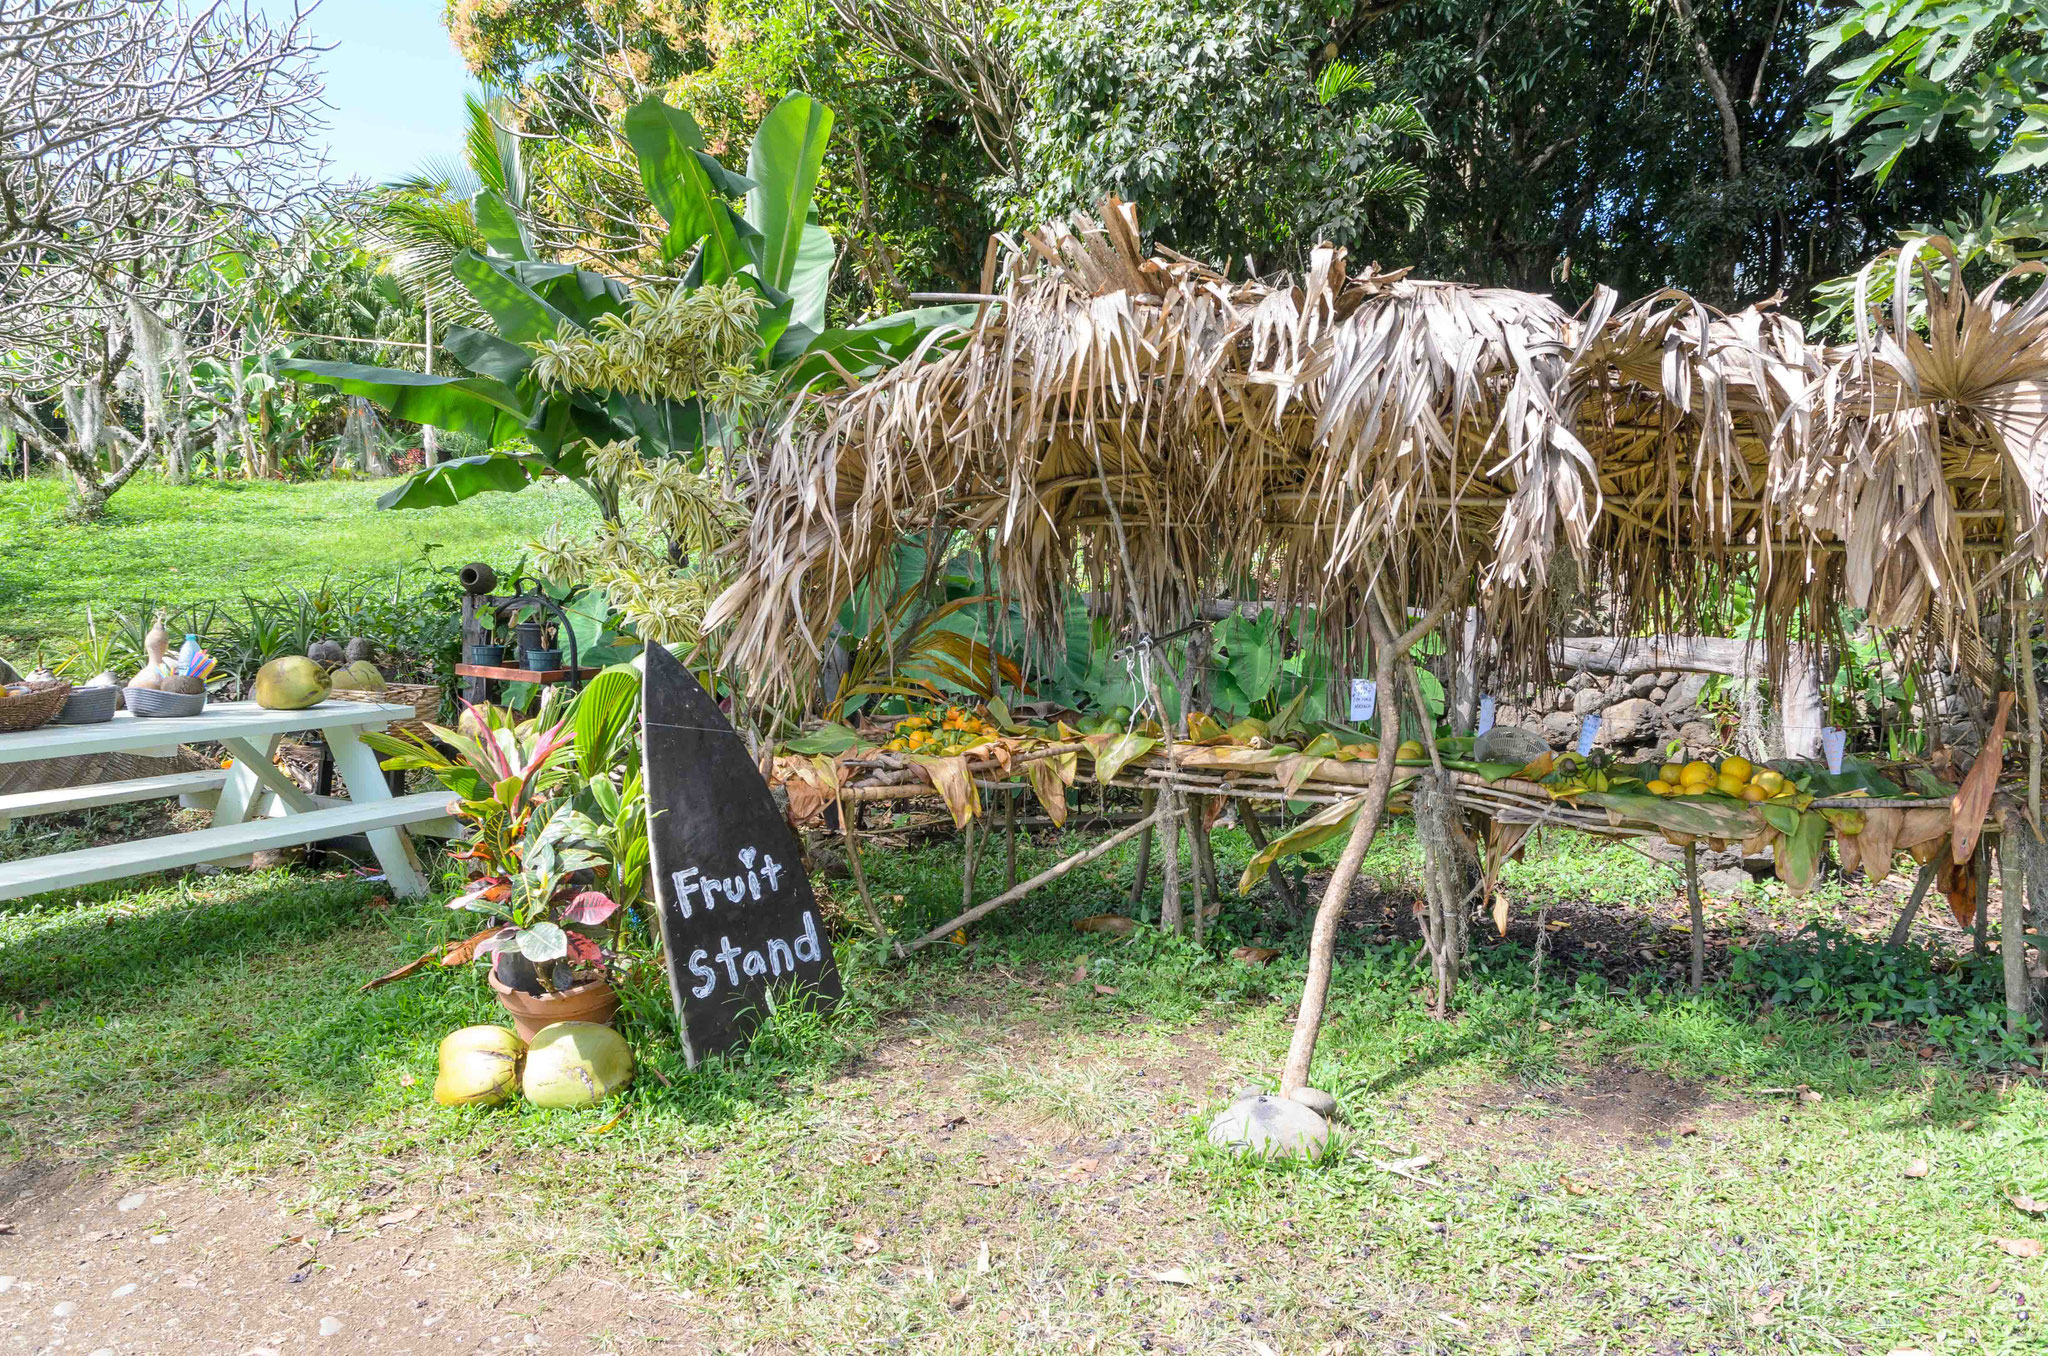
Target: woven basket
(147, 703)
(423, 698)
(33, 709)
(89, 706)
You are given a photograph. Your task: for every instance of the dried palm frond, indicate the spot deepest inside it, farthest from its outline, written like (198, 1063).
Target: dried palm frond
(1345, 433)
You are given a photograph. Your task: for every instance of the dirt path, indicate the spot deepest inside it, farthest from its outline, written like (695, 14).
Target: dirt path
(90, 1267)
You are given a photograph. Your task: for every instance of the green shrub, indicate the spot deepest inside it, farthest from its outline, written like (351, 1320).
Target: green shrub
(1959, 1003)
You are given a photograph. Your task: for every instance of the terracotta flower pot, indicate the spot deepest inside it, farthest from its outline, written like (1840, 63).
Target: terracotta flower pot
(592, 1001)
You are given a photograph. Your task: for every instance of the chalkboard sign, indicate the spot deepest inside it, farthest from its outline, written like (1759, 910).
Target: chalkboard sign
(736, 909)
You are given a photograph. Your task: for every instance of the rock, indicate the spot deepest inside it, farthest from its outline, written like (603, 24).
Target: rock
(131, 1202)
(1685, 693)
(1270, 1127)
(1727, 881)
(1588, 701)
(1580, 681)
(1316, 1100)
(1659, 695)
(330, 1326)
(1628, 722)
(1560, 727)
(1698, 737)
(1509, 744)
(1642, 685)
(64, 1309)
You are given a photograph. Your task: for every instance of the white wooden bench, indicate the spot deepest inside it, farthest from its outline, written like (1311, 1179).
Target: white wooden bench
(88, 866)
(240, 816)
(194, 790)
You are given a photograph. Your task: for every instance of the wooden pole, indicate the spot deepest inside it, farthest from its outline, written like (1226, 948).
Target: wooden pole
(851, 833)
(2012, 927)
(970, 846)
(1045, 877)
(1010, 840)
(1980, 926)
(1148, 805)
(1699, 916)
(1204, 863)
(1902, 929)
(1170, 920)
(1248, 815)
(1322, 948)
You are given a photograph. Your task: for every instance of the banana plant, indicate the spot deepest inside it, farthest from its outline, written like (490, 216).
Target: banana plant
(774, 247)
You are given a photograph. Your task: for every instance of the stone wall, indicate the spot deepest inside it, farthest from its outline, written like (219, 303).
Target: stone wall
(1640, 714)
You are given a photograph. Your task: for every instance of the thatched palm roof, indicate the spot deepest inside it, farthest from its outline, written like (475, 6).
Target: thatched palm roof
(1340, 431)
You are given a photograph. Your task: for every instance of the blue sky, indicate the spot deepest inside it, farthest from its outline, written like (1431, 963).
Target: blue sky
(394, 84)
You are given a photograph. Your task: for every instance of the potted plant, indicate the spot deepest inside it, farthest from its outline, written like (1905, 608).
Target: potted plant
(534, 857)
(545, 656)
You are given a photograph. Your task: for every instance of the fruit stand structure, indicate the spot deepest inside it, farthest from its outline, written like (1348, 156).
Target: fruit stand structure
(1387, 451)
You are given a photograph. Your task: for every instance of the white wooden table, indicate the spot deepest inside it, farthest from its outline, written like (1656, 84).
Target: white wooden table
(240, 826)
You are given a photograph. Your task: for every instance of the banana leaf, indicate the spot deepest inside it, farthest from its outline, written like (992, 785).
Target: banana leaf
(1319, 828)
(831, 737)
(1701, 817)
(1118, 751)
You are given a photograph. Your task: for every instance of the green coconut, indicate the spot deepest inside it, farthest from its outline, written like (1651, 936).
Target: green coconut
(576, 1064)
(291, 683)
(360, 675)
(479, 1066)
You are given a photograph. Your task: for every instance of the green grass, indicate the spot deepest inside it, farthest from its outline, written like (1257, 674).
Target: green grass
(213, 540)
(823, 1193)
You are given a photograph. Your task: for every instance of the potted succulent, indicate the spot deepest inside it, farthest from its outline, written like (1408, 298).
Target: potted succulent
(534, 857)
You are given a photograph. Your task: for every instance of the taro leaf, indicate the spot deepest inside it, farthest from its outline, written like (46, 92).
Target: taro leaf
(954, 783)
(1701, 818)
(1784, 818)
(1856, 775)
(1284, 719)
(829, 738)
(1320, 828)
(999, 712)
(1489, 772)
(543, 942)
(1122, 749)
(1799, 852)
(1322, 746)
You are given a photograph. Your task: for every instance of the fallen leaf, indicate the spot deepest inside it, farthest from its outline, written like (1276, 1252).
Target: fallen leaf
(406, 1078)
(1115, 924)
(1968, 1125)
(2020, 1247)
(952, 1121)
(874, 1156)
(1807, 1094)
(398, 1216)
(607, 1126)
(1688, 1129)
(981, 1267)
(1255, 955)
(1170, 1276)
(1572, 1184)
(2019, 1200)
(865, 1244)
(1081, 970)
(1918, 1168)
(1105, 988)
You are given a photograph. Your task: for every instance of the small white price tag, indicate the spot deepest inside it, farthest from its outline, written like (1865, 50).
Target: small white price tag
(1485, 715)
(1834, 743)
(1587, 730)
(1365, 694)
